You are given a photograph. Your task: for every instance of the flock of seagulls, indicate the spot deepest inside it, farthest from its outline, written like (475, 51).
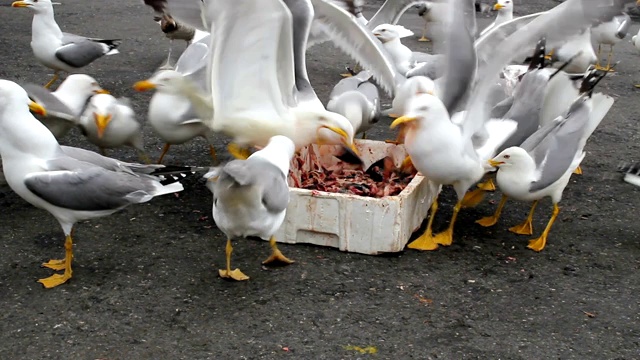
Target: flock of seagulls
(521, 112)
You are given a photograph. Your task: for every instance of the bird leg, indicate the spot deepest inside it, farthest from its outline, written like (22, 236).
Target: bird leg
(446, 237)
(364, 135)
(62, 264)
(227, 273)
(473, 198)
(578, 170)
(426, 241)
(609, 57)
(238, 152)
(276, 255)
(144, 157)
(597, 65)
(539, 243)
(424, 34)
(525, 228)
(493, 219)
(212, 152)
(165, 149)
(54, 79)
(103, 151)
(487, 185)
(549, 56)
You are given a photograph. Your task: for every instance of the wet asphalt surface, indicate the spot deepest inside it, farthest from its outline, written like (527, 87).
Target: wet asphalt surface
(146, 286)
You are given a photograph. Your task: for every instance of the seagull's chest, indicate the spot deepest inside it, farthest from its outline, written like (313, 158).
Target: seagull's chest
(44, 49)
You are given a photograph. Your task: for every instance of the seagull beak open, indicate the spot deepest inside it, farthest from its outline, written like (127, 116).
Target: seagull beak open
(497, 7)
(37, 108)
(101, 122)
(20, 4)
(144, 85)
(351, 155)
(494, 163)
(402, 120)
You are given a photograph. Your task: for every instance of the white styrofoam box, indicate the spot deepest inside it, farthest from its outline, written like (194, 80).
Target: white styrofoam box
(354, 223)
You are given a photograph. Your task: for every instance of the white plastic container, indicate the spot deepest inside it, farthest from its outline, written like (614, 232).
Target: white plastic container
(354, 223)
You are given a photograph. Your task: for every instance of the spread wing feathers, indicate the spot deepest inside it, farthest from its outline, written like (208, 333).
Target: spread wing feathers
(54, 106)
(461, 66)
(189, 12)
(248, 65)
(486, 44)
(257, 172)
(563, 20)
(358, 42)
(390, 12)
(194, 57)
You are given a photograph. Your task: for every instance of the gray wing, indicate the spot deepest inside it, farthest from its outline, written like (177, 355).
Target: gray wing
(78, 51)
(555, 153)
(460, 55)
(502, 108)
(89, 188)
(370, 91)
(256, 171)
(434, 68)
(526, 106)
(108, 163)
(51, 103)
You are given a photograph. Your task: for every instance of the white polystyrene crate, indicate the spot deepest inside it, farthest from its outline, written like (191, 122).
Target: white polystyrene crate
(354, 223)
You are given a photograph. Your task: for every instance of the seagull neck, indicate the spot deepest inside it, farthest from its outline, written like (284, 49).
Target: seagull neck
(504, 16)
(74, 99)
(26, 135)
(44, 23)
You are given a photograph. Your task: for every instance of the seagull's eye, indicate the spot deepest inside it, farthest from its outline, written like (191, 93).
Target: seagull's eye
(507, 156)
(383, 30)
(424, 108)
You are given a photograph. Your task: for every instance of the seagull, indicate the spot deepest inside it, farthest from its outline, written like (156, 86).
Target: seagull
(109, 123)
(172, 115)
(58, 50)
(631, 172)
(250, 198)
(542, 165)
(610, 33)
(175, 30)
(357, 99)
(37, 168)
(404, 58)
(431, 12)
(505, 13)
(65, 104)
(282, 101)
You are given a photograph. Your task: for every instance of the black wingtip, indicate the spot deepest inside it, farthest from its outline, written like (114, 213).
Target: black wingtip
(349, 156)
(538, 58)
(591, 79)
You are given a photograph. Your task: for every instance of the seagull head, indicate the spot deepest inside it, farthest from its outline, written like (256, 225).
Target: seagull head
(13, 95)
(421, 108)
(503, 6)
(167, 81)
(512, 157)
(36, 5)
(101, 108)
(330, 129)
(81, 84)
(388, 32)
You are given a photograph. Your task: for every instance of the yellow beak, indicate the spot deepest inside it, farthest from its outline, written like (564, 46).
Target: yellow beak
(402, 120)
(497, 7)
(101, 122)
(495, 163)
(144, 85)
(345, 137)
(20, 4)
(37, 108)
(102, 91)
